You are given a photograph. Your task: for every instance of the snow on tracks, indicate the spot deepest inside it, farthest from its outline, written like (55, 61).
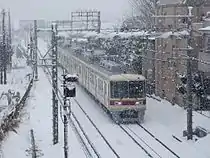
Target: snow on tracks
(119, 140)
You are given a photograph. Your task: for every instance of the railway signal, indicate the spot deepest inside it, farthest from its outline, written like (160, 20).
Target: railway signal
(69, 91)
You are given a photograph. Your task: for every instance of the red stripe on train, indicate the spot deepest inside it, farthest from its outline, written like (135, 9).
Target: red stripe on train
(124, 102)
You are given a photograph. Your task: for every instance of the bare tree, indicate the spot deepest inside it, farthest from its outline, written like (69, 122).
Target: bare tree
(144, 10)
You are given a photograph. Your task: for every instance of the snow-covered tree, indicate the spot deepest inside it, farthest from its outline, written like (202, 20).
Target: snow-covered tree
(194, 2)
(144, 10)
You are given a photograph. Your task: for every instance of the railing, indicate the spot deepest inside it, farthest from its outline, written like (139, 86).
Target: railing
(10, 121)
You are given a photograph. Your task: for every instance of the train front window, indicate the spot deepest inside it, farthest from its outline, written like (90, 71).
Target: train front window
(119, 89)
(136, 89)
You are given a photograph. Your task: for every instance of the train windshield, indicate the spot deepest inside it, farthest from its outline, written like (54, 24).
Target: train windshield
(119, 89)
(125, 89)
(136, 89)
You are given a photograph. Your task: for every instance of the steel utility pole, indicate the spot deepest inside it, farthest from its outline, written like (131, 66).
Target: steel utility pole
(145, 61)
(189, 132)
(1, 58)
(10, 41)
(4, 51)
(55, 83)
(65, 120)
(35, 50)
(189, 79)
(31, 48)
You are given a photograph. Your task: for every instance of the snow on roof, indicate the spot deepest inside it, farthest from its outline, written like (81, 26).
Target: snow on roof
(205, 29)
(91, 34)
(64, 34)
(122, 34)
(43, 47)
(170, 33)
(170, 1)
(107, 25)
(128, 77)
(79, 39)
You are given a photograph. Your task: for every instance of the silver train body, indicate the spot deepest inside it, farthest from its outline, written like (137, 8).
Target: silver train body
(121, 95)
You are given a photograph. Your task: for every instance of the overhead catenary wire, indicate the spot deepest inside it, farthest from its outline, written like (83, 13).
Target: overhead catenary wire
(86, 150)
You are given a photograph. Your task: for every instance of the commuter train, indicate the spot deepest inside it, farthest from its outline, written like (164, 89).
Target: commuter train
(121, 94)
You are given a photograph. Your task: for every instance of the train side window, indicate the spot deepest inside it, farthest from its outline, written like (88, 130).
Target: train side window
(105, 88)
(100, 85)
(80, 69)
(91, 78)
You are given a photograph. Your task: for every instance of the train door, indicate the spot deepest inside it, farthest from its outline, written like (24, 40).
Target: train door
(105, 93)
(82, 75)
(85, 79)
(88, 79)
(96, 83)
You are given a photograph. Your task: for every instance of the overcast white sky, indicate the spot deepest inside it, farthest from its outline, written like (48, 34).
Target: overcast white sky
(60, 9)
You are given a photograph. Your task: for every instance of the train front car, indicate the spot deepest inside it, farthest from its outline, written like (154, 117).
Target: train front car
(127, 102)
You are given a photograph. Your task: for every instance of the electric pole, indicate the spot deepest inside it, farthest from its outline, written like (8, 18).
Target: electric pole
(10, 41)
(189, 132)
(55, 83)
(31, 48)
(99, 22)
(189, 79)
(2, 56)
(65, 119)
(4, 51)
(35, 50)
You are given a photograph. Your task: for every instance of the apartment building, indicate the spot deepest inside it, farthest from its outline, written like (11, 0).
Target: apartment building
(171, 62)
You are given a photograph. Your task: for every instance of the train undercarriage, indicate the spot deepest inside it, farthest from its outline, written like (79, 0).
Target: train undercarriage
(128, 116)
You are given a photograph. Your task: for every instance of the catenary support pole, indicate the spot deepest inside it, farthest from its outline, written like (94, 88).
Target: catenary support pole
(10, 41)
(35, 50)
(65, 119)
(189, 80)
(55, 83)
(4, 48)
(1, 58)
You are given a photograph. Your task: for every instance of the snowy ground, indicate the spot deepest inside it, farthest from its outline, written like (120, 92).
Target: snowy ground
(38, 116)
(171, 120)
(17, 81)
(162, 119)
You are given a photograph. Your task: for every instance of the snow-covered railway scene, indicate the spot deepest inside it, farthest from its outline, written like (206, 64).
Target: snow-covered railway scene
(129, 78)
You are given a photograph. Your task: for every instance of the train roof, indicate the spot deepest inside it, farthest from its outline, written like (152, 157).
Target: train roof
(127, 77)
(111, 75)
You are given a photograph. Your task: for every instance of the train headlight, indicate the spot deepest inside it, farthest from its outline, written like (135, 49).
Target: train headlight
(137, 103)
(118, 103)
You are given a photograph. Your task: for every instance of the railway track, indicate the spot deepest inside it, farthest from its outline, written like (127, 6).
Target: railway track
(159, 141)
(140, 145)
(72, 123)
(157, 147)
(148, 153)
(147, 149)
(97, 129)
(104, 138)
(78, 129)
(202, 114)
(144, 145)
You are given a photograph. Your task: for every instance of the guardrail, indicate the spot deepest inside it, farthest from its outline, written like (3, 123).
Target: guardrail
(9, 122)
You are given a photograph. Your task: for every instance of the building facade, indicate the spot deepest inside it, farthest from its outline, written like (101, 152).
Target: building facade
(171, 21)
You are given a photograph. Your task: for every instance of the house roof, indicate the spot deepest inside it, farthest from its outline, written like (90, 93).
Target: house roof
(162, 2)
